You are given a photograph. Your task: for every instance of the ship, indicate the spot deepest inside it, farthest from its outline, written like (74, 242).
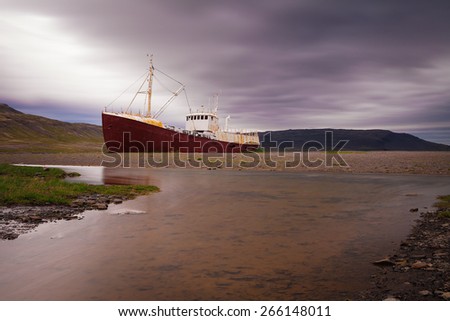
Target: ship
(125, 131)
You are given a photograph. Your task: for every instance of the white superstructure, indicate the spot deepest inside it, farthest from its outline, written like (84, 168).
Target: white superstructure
(205, 122)
(202, 122)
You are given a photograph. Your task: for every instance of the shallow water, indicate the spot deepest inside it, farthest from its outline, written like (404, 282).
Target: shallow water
(220, 235)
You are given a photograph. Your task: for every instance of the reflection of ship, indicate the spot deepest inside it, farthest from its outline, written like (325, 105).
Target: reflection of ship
(145, 133)
(128, 176)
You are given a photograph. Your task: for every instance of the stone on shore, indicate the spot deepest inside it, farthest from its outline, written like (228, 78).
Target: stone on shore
(384, 262)
(424, 292)
(419, 265)
(101, 206)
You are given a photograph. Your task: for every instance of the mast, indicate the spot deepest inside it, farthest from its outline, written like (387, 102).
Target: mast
(149, 90)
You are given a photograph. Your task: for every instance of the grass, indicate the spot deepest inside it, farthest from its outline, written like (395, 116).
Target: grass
(443, 205)
(23, 185)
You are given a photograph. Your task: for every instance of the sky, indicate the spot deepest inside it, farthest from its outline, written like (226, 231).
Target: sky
(285, 64)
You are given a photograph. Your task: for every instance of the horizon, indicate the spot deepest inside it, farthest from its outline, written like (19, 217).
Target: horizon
(260, 131)
(291, 64)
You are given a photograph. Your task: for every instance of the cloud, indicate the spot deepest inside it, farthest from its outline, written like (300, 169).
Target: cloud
(278, 64)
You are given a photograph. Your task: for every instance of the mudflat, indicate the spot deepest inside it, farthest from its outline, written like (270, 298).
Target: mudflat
(389, 162)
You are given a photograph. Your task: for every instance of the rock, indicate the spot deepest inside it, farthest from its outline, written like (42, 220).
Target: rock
(35, 218)
(401, 262)
(404, 243)
(418, 256)
(414, 210)
(100, 206)
(419, 265)
(11, 236)
(440, 254)
(445, 295)
(424, 292)
(117, 201)
(102, 200)
(391, 298)
(78, 202)
(384, 262)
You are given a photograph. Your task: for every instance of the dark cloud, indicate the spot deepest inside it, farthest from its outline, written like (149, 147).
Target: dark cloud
(278, 64)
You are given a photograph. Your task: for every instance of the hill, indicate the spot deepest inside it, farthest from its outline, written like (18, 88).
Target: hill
(358, 140)
(21, 132)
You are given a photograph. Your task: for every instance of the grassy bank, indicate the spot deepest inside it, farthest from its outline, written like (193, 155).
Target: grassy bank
(443, 205)
(23, 185)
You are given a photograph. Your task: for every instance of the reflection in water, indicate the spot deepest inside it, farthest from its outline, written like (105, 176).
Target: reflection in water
(119, 176)
(221, 235)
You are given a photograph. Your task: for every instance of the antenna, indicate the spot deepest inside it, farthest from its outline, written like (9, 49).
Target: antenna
(149, 90)
(226, 122)
(216, 102)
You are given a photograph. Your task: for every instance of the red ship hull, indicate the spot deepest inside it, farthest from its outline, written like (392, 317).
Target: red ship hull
(127, 135)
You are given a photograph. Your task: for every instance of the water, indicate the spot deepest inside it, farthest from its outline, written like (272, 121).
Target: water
(220, 235)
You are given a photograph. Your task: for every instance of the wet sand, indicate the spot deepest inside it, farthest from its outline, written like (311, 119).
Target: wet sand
(220, 235)
(424, 163)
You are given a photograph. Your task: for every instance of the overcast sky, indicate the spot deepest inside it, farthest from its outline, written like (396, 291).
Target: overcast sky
(277, 64)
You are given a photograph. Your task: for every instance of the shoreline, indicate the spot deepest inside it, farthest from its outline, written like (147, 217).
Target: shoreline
(389, 162)
(16, 220)
(419, 269)
(36, 194)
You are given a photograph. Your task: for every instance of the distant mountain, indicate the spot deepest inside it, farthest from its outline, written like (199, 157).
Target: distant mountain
(21, 132)
(358, 140)
(29, 133)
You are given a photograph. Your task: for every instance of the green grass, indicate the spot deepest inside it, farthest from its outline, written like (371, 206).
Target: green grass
(444, 205)
(23, 185)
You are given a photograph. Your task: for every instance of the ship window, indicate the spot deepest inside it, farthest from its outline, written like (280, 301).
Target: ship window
(187, 118)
